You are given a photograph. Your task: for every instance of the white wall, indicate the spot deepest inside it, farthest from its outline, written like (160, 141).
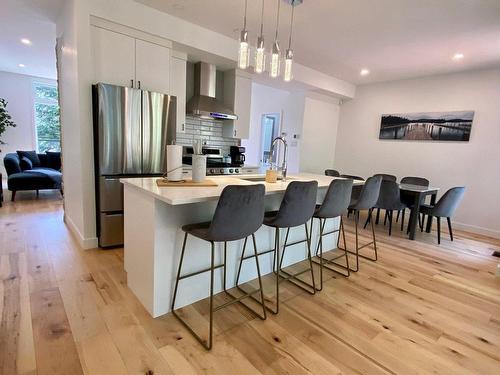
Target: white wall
(290, 107)
(474, 164)
(319, 133)
(17, 89)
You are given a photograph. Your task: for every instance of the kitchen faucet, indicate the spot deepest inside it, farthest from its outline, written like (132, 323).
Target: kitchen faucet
(283, 166)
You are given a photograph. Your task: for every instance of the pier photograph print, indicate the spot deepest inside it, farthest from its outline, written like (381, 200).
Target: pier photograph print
(427, 126)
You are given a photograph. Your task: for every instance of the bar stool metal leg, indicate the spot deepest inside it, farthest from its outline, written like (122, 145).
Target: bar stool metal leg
(293, 278)
(207, 344)
(373, 242)
(331, 263)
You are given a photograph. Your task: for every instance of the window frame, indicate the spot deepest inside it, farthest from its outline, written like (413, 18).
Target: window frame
(44, 101)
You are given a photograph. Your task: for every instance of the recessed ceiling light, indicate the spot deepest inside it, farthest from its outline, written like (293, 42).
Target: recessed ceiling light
(458, 56)
(21, 65)
(364, 72)
(26, 41)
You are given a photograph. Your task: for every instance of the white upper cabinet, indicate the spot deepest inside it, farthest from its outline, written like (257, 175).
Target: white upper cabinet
(114, 57)
(125, 60)
(152, 67)
(238, 96)
(178, 87)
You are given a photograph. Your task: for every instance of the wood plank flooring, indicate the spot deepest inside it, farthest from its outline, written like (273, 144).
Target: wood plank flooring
(422, 308)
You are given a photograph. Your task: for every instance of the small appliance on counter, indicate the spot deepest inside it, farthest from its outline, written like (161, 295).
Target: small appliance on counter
(237, 154)
(216, 163)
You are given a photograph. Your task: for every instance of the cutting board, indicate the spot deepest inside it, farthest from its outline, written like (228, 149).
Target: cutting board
(161, 182)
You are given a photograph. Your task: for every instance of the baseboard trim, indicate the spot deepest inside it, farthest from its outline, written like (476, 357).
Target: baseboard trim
(478, 230)
(85, 243)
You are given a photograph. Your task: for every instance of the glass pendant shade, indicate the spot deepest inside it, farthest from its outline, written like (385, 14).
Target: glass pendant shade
(260, 56)
(244, 51)
(275, 61)
(288, 75)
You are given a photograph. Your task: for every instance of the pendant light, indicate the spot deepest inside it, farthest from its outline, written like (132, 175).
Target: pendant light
(275, 53)
(244, 53)
(260, 55)
(287, 76)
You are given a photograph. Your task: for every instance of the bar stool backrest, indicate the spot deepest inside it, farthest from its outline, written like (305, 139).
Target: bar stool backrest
(389, 197)
(386, 177)
(298, 204)
(239, 213)
(449, 202)
(369, 194)
(336, 200)
(419, 181)
(332, 173)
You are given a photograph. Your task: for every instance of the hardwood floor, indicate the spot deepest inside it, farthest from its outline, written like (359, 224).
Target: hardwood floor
(422, 308)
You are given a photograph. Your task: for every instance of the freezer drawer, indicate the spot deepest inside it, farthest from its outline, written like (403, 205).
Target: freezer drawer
(111, 230)
(110, 194)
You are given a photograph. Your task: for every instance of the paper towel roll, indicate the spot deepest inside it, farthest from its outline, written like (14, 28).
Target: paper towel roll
(174, 162)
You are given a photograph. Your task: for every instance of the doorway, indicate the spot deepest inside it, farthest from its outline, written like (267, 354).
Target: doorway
(270, 129)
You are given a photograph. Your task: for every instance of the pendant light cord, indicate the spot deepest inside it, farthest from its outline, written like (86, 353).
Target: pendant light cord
(262, 19)
(291, 29)
(245, 18)
(278, 20)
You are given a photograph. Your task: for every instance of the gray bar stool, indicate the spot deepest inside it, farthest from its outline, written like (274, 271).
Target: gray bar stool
(296, 209)
(239, 214)
(336, 201)
(366, 201)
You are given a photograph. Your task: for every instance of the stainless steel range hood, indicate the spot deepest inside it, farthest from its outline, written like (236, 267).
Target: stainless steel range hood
(204, 104)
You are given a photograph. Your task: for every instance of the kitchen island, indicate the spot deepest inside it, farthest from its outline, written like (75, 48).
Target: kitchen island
(153, 238)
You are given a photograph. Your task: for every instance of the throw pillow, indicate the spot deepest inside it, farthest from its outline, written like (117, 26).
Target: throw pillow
(53, 160)
(26, 164)
(32, 155)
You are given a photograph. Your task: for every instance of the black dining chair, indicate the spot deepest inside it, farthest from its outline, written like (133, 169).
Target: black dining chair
(239, 214)
(385, 177)
(356, 189)
(408, 198)
(332, 173)
(389, 200)
(445, 207)
(366, 201)
(337, 199)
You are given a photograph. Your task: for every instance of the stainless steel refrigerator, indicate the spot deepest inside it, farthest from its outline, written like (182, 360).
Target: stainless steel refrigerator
(132, 128)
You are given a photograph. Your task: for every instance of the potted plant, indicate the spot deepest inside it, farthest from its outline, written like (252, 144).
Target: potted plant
(5, 119)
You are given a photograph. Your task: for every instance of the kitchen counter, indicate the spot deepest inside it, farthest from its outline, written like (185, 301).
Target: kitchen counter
(185, 195)
(153, 238)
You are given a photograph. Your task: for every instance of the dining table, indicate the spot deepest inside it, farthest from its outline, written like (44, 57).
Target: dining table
(420, 193)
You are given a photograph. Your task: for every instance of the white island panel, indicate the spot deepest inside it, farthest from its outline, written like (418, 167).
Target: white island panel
(153, 240)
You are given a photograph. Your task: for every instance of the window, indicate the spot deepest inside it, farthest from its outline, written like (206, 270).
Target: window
(47, 125)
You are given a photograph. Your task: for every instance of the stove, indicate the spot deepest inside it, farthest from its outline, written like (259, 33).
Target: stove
(216, 164)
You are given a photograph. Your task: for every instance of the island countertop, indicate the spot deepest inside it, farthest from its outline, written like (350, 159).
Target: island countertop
(185, 195)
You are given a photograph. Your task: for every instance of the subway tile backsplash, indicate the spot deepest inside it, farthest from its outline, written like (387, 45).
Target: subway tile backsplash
(210, 131)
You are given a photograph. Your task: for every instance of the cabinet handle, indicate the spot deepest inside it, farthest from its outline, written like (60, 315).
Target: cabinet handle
(183, 127)
(235, 133)
(139, 82)
(132, 83)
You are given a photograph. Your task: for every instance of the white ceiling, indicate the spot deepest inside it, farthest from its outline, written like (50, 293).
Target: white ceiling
(33, 20)
(394, 39)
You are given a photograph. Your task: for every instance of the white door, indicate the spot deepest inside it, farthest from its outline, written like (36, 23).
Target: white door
(152, 68)
(113, 57)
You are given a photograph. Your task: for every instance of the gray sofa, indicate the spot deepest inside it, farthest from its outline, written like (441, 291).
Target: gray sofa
(42, 174)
